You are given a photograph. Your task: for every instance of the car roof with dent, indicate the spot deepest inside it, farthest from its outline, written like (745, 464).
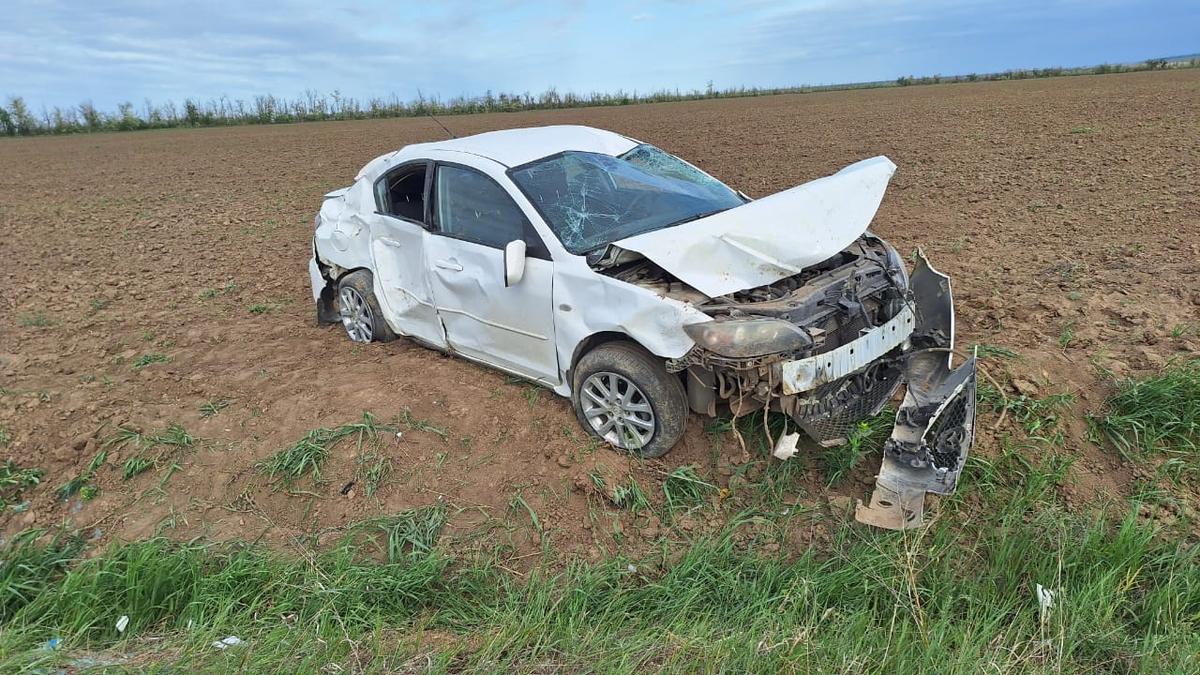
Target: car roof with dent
(514, 147)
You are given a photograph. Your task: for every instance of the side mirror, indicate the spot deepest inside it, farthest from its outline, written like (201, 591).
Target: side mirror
(514, 262)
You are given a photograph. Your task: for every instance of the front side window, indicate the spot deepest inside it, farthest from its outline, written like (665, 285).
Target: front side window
(591, 199)
(471, 206)
(401, 193)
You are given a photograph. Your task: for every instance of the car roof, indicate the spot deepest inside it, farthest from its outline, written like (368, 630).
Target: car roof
(513, 147)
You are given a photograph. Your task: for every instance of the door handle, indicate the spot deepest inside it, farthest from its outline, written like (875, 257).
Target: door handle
(449, 265)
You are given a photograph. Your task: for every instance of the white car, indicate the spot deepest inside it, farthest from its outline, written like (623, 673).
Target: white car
(643, 288)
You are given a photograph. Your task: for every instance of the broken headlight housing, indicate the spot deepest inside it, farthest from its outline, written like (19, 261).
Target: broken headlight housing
(744, 338)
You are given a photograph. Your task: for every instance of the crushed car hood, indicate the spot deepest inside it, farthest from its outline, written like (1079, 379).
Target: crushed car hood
(771, 238)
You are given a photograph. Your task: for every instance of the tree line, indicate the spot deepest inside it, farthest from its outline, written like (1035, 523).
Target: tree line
(17, 119)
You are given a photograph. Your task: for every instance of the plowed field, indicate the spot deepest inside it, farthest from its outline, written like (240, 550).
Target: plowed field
(153, 279)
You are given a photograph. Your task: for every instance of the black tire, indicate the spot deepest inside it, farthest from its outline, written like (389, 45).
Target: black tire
(662, 390)
(360, 282)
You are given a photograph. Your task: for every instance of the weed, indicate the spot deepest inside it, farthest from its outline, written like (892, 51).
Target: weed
(409, 534)
(866, 437)
(211, 408)
(307, 455)
(1067, 335)
(1082, 130)
(98, 304)
(134, 466)
(176, 436)
(518, 501)
(1160, 413)
(259, 308)
(14, 480)
(89, 492)
(684, 487)
(149, 359)
(623, 496)
(5, 436)
(35, 320)
(411, 422)
(985, 351)
(376, 470)
(532, 394)
(1039, 417)
(210, 293)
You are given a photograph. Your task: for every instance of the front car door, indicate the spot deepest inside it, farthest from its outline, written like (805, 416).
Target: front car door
(398, 239)
(508, 327)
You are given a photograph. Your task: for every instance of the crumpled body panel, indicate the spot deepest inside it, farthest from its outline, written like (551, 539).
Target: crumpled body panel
(771, 238)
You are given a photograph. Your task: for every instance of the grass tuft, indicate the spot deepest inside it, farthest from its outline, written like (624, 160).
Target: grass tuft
(684, 487)
(149, 360)
(307, 455)
(409, 534)
(14, 480)
(1156, 414)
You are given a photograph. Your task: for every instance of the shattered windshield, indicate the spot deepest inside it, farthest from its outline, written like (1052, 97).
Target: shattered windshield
(591, 199)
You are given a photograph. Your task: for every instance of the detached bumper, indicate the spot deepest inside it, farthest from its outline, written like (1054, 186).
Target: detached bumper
(935, 425)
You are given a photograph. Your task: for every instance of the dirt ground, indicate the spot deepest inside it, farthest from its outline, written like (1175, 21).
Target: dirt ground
(1067, 212)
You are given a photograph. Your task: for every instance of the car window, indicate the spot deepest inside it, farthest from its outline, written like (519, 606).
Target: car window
(590, 199)
(471, 206)
(401, 193)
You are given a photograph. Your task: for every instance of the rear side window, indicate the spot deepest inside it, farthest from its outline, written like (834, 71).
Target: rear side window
(401, 193)
(473, 207)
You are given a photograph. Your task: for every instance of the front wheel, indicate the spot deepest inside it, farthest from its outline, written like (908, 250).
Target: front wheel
(359, 310)
(623, 395)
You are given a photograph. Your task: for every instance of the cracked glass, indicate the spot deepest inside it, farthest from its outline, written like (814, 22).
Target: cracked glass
(590, 200)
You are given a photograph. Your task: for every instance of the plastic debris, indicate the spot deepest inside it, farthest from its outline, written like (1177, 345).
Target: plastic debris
(785, 447)
(122, 623)
(1046, 598)
(52, 644)
(226, 643)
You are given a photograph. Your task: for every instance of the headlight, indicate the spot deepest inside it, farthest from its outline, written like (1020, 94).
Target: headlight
(896, 266)
(742, 338)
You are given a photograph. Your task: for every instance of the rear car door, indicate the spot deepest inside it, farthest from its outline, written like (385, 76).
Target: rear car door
(398, 239)
(509, 327)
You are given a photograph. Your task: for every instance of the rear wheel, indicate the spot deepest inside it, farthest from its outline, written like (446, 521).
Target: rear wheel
(359, 310)
(623, 395)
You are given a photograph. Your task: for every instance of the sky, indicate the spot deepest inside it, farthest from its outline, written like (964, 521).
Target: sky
(63, 52)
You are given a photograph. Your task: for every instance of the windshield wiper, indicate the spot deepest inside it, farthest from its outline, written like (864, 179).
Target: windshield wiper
(689, 219)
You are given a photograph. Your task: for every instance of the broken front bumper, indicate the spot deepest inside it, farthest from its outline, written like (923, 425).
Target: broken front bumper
(935, 425)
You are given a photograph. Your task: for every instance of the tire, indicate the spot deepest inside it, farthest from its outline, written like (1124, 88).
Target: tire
(651, 417)
(359, 311)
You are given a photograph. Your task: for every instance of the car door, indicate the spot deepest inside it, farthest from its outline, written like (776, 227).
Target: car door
(398, 239)
(509, 327)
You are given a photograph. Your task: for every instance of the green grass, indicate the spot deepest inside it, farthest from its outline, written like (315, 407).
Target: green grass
(5, 436)
(985, 351)
(210, 409)
(1040, 418)
(149, 360)
(35, 320)
(944, 599)
(1160, 413)
(683, 487)
(135, 466)
(307, 455)
(15, 479)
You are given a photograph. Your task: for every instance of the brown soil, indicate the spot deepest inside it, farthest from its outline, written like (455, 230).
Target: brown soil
(1055, 204)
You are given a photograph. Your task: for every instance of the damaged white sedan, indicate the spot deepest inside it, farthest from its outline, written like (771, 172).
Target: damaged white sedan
(643, 288)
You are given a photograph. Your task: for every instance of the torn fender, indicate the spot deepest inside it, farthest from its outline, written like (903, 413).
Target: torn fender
(771, 238)
(935, 425)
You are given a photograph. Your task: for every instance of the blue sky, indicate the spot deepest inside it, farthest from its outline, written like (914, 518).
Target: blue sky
(59, 52)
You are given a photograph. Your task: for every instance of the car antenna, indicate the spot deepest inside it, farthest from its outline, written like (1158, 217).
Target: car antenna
(439, 123)
(421, 99)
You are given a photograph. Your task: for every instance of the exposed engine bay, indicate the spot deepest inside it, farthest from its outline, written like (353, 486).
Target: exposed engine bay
(829, 347)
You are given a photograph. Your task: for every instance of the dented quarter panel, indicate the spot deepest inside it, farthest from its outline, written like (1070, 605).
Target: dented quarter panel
(587, 303)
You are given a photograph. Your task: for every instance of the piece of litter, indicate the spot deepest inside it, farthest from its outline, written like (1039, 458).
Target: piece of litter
(226, 643)
(631, 568)
(122, 623)
(51, 644)
(785, 447)
(1046, 599)
(399, 434)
